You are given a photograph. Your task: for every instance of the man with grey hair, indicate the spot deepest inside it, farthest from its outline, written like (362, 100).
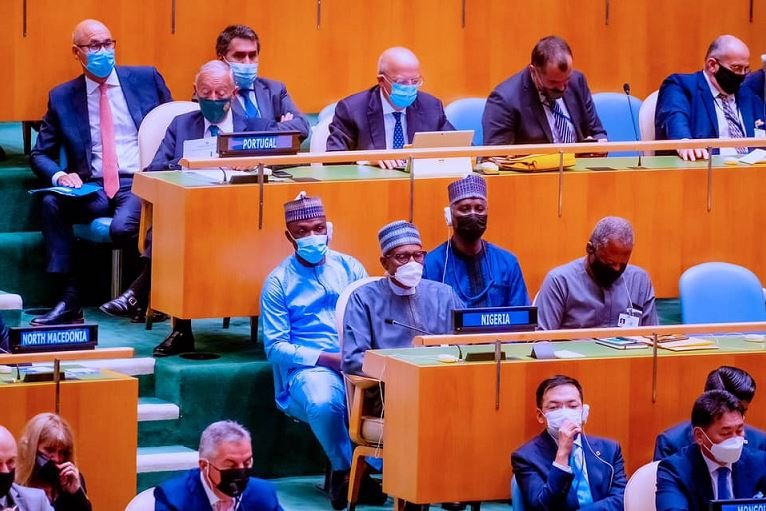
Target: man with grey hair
(710, 103)
(389, 114)
(222, 481)
(601, 289)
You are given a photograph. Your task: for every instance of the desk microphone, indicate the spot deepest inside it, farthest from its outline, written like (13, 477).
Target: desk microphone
(626, 88)
(391, 321)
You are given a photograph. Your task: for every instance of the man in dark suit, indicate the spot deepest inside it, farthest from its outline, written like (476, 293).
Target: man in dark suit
(547, 102)
(731, 379)
(710, 103)
(240, 47)
(222, 482)
(561, 468)
(90, 135)
(715, 466)
(388, 115)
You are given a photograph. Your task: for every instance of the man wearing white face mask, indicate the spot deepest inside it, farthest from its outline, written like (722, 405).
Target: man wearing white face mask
(562, 469)
(718, 465)
(301, 341)
(388, 313)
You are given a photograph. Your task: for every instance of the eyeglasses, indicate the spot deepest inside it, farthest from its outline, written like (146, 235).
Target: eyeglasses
(95, 46)
(417, 82)
(404, 257)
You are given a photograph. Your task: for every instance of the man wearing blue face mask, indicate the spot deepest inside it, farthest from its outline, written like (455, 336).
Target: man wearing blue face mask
(90, 135)
(718, 465)
(301, 341)
(240, 47)
(389, 114)
(561, 468)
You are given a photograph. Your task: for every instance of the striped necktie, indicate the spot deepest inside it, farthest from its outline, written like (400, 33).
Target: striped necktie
(562, 123)
(732, 120)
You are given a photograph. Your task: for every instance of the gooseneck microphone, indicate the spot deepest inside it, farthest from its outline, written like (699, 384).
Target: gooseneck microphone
(626, 88)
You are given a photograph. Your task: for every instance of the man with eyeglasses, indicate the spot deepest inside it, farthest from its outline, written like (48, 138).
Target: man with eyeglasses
(90, 136)
(389, 114)
(710, 103)
(600, 289)
(240, 47)
(222, 482)
(547, 102)
(389, 312)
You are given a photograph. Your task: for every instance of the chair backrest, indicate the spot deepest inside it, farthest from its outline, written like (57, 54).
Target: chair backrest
(646, 116)
(720, 293)
(641, 488)
(620, 126)
(517, 499)
(340, 305)
(327, 112)
(144, 501)
(466, 114)
(155, 124)
(319, 134)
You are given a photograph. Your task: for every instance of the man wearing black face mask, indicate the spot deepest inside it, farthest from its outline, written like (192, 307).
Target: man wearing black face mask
(601, 289)
(223, 482)
(546, 102)
(710, 103)
(23, 498)
(482, 274)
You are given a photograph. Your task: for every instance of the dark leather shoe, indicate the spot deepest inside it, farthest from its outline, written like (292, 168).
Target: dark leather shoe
(177, 342)
(125, 305)
(60, 314)
(157, 317)
(371, 492)
(339, 489)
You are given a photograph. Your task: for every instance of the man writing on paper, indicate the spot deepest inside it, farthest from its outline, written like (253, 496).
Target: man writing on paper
(546, 102)
(710, 103)
(389, 114)
(481, 273)
(93, 121)
(600, 289)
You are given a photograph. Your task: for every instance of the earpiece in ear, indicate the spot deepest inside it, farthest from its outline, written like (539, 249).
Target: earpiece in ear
(585, 412)
(448, 216)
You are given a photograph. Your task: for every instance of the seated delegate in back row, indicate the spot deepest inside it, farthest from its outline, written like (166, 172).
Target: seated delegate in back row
(389, 114)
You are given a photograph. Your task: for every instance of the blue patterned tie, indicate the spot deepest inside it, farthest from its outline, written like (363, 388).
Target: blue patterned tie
(214, 130)
(251, 110)
(580, 482)
(732, 120)
(398, 131)
(723, 483)
(563, 128)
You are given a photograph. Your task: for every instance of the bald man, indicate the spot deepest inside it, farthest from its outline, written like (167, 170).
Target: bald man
(90, 135)
(11, 494)
(389, 114)
(710, 103)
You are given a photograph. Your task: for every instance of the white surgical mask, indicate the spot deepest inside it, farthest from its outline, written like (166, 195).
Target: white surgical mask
(409, 274)
(556, 418)
(728, 451)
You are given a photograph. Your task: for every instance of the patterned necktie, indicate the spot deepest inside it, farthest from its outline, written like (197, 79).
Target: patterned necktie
(398, 131)
(580, 482)
(732, 120)
(723, 483)
(560, 121)
(108, 146)
(214, 130)
(251, 110)
(224, 505)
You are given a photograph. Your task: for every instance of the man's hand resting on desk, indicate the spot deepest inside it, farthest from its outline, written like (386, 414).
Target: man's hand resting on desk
(287, 117)
(693, 154)
(71, 180)
(391, 164)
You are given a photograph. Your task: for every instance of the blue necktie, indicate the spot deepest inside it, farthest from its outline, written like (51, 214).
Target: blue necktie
(251, 110)
(398, 131)
(214, 130)
(561, 122)
(580, 483)
(723, 483)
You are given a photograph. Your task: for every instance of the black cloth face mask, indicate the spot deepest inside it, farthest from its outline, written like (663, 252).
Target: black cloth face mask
(470, 227)
(6, 480)
(233, 481)
(728, 79)
(46, 470)
(604, 274)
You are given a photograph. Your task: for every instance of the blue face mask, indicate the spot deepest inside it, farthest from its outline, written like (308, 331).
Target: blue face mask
(100, 63)
(403, 96)
(214, 110)
(312, 248)
(244, 74)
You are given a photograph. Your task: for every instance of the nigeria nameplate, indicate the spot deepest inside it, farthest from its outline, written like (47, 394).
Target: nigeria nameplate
(53, 338)
(495, 319)
(258, 143)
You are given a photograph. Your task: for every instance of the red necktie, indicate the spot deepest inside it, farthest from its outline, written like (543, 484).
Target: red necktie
(108, 146)
(225, 505)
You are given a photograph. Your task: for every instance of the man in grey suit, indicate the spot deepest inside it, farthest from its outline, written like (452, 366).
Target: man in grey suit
(239, 46)
(14, 496)
(546, 102)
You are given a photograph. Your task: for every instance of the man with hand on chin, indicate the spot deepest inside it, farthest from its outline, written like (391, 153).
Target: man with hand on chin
(561, 468)
(388, 313)
(717, 465)
(389, 114)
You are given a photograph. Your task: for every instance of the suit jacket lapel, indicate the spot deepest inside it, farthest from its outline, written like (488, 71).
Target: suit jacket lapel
(263, 97)
(414, 120)
(535, 106)
(375, 119)
(548, 448)
(748, 116)
(80, 116)
(572, 102)
(238, 121)
(129, 87)
(236, 105)
(700, 474)
(708, 100)
(197, 494)
(598, 479)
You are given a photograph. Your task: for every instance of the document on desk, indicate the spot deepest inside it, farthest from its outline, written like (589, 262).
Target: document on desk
(568, 354)
(201, 148)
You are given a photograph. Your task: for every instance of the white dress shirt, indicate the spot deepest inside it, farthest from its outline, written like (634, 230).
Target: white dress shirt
(552, 117)
(723, 125)
(225, 126)
(712, 468)
(389, 122)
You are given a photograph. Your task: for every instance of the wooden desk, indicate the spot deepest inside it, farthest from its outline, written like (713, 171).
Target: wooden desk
(210, 258)
(103, 415)
(444, 440)
(49, 356)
